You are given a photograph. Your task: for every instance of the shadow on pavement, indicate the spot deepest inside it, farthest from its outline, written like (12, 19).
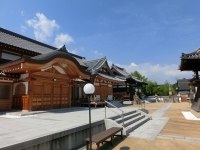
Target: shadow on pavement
(116, 141)
(125, 148)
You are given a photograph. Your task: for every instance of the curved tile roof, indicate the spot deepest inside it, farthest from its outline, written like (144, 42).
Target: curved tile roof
(111, 77)
(47, 57)
(95, 64)
(121, 71)
(193, 55)
(122, 74)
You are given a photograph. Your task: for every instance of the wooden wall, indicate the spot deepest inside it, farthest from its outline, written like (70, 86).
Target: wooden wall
(20, 90)
(103, 90)
(48, 95)
(5, 96)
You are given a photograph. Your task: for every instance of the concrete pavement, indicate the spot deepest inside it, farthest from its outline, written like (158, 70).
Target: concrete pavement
(152, 128)
(19, 127)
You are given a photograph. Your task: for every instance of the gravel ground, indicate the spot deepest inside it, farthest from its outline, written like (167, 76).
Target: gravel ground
(178, 133)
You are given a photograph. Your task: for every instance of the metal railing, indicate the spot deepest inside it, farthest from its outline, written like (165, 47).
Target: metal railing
(121, 115)
(140, 103)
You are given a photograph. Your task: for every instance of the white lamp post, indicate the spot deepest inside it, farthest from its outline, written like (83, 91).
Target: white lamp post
(89, 90)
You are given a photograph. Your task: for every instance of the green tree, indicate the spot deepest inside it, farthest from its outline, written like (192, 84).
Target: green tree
(139, 76)
(153, 88)
(142, 78)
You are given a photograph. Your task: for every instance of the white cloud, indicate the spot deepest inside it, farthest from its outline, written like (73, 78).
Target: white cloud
(63, 39)
(43, 27)
(157, 72)
(96, 53)
(133, 64)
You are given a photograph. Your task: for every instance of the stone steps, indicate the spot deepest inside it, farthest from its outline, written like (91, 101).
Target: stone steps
(132, 120)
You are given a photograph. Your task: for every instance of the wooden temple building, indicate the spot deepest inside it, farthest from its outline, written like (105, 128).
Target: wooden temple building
(127, 89)
(183, 89)
(37, 76)
(191, 62)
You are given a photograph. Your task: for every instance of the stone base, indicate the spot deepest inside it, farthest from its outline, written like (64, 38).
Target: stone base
(195, 113)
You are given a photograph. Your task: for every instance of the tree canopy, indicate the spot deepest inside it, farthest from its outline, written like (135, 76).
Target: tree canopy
(153, 88)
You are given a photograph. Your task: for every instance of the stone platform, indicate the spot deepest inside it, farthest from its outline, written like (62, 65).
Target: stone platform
(55, 129)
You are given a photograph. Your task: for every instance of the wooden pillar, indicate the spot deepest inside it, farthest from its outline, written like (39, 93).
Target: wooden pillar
(73, 96)
(43, 96)
(60, 95)
(0, 53)
(118, 88)
(197, 74)
(52, 94)
(82, 93)
(30, 91)
(69, 95)
(126, 88)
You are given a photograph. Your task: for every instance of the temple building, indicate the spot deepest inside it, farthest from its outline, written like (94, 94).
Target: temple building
(183, 88)
(103, 78)
(190, 62)
(36, 76)
(127, 89)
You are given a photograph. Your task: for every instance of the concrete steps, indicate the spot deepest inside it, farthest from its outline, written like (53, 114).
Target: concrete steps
(132, 120)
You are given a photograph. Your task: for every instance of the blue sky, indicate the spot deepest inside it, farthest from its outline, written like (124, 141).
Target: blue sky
(147, 36)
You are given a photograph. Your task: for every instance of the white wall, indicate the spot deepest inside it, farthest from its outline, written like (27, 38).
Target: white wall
(26, 85)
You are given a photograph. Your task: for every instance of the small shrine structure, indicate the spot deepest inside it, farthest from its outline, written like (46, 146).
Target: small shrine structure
(190, 62)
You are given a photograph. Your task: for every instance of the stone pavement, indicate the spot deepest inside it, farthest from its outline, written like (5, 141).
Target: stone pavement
(152, 128)
(18, 127)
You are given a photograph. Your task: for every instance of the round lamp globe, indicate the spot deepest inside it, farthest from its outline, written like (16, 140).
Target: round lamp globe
(89, 88)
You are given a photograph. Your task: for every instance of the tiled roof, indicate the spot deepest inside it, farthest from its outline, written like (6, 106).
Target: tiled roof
(120, 71)
(80, 59)
(111, 77)
(193, 55)
(122, 74)
(183, 84)
(95, 64)
(14, 39)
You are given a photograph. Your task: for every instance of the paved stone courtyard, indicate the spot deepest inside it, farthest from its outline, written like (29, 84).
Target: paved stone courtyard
(168, 129)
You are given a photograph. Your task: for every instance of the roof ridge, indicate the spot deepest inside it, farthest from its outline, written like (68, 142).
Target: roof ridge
(99, 61)
(94, 59)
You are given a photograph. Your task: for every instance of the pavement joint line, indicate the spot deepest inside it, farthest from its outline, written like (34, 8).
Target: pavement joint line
(173, 137)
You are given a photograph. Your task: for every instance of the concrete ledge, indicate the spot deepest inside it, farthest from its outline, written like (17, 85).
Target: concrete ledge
(128, 102)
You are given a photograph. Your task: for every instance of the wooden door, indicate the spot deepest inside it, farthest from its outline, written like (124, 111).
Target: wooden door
(47, 94)
(64, 96)
(56, 95)
(37, 96)
(20, 90)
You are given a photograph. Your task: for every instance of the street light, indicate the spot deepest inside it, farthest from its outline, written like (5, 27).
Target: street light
(89, 90)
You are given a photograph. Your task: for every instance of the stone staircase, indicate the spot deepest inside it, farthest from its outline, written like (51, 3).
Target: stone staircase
(132, 120)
